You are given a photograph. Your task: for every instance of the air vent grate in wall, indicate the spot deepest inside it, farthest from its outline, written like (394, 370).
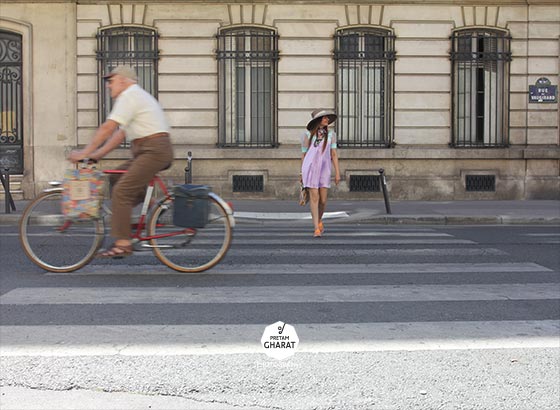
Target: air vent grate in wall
(248, 183)
(365, 183)
(480, 183)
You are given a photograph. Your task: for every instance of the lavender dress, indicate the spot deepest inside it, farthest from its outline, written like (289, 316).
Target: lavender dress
(316, 167)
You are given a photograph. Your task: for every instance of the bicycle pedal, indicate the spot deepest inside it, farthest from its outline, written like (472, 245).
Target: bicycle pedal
(140, 246)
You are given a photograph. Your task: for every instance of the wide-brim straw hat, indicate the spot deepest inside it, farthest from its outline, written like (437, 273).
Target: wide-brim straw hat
(317, 115)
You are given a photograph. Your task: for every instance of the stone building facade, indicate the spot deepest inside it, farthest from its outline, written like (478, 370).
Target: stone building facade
(436, 93)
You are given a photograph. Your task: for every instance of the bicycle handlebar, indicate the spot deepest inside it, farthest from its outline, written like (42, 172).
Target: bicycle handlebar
(89, 161)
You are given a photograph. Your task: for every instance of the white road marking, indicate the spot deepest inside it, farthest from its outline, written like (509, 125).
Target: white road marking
(280, 294)
(349, 234)
(369, 252)
(309, 269)
(148, 340)
(287, 215)
(327, 239)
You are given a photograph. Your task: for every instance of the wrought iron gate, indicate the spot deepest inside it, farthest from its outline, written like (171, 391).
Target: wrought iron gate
(11, 106)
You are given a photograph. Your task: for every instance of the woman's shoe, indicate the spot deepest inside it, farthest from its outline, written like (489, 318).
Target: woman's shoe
(317, 233)
(321, 227)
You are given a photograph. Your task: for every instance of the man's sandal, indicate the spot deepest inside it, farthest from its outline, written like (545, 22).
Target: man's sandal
(116, 252)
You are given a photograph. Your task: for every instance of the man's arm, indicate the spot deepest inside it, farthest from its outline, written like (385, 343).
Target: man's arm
(116, 139)
(104, 132)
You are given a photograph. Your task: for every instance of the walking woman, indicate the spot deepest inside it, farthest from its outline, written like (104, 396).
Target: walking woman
(318, 149)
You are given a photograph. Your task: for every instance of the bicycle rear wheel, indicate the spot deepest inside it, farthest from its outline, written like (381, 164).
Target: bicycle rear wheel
(190, 250)
(53, 242)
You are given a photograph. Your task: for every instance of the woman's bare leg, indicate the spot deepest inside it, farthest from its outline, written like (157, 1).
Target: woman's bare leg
(322, 202)
(314, 206)
(322, 206)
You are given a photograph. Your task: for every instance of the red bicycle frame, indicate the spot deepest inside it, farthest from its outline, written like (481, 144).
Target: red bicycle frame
(141, 225)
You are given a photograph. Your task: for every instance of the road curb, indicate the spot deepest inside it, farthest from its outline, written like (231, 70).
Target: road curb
(417, 220)
(459, 220)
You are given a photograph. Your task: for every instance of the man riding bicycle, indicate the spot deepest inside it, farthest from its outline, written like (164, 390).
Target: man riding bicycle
(136, 114)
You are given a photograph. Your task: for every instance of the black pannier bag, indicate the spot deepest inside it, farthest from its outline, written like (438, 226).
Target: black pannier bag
(191, 206)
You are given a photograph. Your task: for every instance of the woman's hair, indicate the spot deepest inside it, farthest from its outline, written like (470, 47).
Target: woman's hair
(315, 131)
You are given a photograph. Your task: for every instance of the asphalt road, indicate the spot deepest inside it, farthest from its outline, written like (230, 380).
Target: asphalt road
(388, 317)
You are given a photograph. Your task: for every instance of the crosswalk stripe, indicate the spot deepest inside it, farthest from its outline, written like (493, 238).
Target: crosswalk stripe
(350, 234)
(334, 227)
(309, 269)
(149, 340)
(326, 240)
(381, 268)
(305, 229)
(375, 252)
(280, 294)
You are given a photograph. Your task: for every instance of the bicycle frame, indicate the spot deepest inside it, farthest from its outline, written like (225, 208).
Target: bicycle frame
(141, 224)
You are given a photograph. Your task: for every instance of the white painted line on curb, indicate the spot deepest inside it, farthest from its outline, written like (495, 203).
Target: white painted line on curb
(287, 215)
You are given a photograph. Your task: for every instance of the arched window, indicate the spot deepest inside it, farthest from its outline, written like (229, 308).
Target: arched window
(247, 71)
(130, 45)
(364, 86)
(11, 102)
(480, 88)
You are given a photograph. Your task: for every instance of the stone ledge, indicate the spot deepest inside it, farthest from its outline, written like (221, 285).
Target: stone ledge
(211, 152)
(545, 152)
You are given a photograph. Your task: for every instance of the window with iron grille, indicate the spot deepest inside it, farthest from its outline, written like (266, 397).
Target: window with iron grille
(11, 102)
(247, 71)
(480, 88)
(364, 78)
(126, 45)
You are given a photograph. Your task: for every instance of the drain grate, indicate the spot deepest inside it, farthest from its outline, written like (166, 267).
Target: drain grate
(480, 183)
(365, 183)
(248, 183)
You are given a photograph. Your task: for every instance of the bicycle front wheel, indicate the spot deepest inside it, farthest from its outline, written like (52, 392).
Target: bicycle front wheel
(53, 242)
(190, 250)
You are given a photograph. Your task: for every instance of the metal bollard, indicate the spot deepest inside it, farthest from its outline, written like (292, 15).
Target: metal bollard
(188, 169)
(8, 200)
(385, 193)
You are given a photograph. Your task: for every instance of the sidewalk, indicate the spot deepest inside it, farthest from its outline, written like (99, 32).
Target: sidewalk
(544, 212)
(25, 398)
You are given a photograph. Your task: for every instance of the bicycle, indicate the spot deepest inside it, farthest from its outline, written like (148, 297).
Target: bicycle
(58, 244)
